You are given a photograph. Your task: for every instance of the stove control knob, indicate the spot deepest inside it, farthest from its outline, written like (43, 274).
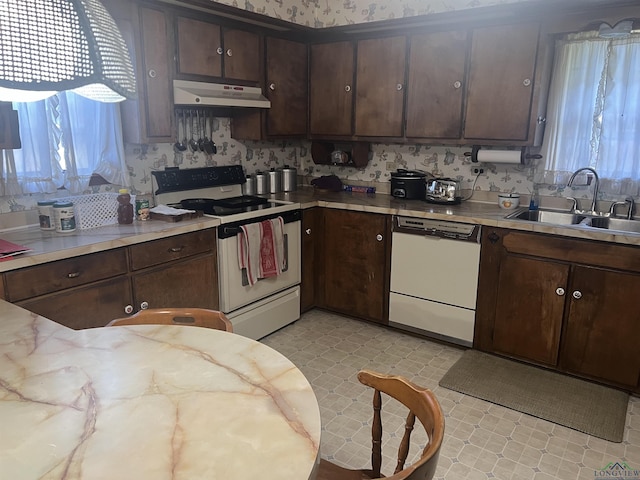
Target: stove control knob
(144, 305)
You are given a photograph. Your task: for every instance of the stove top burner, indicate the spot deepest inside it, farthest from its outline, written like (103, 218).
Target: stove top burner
(225, 206)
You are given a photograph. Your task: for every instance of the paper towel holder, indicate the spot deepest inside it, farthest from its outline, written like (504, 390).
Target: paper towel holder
(525, 157)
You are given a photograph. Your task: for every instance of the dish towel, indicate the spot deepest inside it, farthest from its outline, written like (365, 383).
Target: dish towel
(261, 249)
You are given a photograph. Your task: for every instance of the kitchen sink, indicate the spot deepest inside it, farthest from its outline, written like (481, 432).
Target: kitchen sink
(559, 217)
(620, 224)
(556, 217)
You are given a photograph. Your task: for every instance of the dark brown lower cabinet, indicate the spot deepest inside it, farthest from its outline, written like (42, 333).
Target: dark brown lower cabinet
(356, 259)
(310, 261)
(562, 303)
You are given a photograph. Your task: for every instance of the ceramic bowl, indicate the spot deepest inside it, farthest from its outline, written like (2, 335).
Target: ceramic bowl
(508, 201)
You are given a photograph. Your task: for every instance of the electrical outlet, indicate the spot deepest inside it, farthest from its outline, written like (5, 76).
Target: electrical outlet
(391, 166)
(476, 170)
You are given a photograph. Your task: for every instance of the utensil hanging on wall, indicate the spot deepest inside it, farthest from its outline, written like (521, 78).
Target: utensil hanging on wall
(193, 144)
(180, 146)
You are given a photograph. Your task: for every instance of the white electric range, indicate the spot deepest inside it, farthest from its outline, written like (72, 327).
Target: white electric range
(271, 303)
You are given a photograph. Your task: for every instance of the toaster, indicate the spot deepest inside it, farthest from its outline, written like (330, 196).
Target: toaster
(443, 190)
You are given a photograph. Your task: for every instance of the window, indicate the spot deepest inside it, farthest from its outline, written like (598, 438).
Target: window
(593, 117)
(66, 139)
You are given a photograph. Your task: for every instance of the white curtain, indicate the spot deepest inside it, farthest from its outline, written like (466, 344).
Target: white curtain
(65, 139)
(593, 119)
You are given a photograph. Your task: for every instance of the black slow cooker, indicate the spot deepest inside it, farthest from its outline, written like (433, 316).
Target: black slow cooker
(408, 184)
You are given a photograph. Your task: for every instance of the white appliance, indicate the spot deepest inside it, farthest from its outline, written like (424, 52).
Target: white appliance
(434, 278)
(272, 303)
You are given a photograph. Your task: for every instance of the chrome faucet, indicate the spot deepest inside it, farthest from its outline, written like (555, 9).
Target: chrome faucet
(627, 201)
(595, 187)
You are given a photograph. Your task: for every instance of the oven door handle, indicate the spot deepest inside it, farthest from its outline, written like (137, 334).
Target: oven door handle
(232, 229)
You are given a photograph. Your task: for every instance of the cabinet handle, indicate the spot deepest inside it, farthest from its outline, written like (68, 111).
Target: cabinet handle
(577, 294)
(399, 87)
(219, 50)
(144, 305)
(560, 291)
(347, 88)
(176, 249)
(272, 86)
(526, 82)
(457, 85)
(229, 53)
(128, 309)
(308, 231)
(73, 275)
(152, 73)
(379, 237)
(541, 120)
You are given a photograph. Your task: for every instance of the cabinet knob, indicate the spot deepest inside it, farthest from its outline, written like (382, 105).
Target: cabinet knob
(219, 50)
(229, 53)
(152, 73)
(526, 82)
(73, 275)
(176, 249)
(399, 87)
(308, 231)
(272, 86)
(144, 305)
(577, 294)
(347, 88)
(560, 291)
(379, 237)
(541, 120)
(457, 85)
(128, 309)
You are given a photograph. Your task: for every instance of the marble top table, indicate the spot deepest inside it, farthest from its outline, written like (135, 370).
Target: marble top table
(149, 402)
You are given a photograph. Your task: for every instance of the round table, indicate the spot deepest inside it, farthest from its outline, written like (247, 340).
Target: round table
(149, 402)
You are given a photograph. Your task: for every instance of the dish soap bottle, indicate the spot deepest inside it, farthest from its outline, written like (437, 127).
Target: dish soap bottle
(534, 202)
(125, 209)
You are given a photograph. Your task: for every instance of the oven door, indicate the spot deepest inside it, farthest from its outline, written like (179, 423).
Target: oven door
(235, 291)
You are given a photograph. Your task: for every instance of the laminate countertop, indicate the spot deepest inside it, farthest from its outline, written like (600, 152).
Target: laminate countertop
(149, 402)
(482, 213)
(47, 246)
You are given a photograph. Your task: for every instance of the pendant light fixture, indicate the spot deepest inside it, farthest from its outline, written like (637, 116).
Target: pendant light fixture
(47, 46)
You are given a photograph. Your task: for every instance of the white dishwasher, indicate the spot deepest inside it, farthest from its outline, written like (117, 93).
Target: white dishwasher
(434, 278)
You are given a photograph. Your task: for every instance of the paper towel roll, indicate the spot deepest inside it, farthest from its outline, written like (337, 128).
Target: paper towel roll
(500, 156)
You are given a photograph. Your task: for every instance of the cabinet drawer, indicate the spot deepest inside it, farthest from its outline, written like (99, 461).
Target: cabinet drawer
(52, 277)
(167, 249)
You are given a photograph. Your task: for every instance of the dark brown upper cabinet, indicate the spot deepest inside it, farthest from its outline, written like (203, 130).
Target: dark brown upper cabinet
(501, 83)
(287, 87)
(436, 84)
(207, 49)
(380, 86)
(331, 81)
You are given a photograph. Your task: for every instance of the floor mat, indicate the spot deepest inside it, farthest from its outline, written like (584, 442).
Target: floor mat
(584, 406)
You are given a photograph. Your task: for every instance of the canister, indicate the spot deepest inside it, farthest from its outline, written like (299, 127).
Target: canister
(65, 217)
(249, 187)
(275, 180)
(262, 183)
(45, 214)
(289, 179)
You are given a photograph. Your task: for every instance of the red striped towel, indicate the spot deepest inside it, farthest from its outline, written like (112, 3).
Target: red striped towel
(261, 249)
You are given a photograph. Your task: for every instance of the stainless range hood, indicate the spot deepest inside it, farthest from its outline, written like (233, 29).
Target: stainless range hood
(200, 94)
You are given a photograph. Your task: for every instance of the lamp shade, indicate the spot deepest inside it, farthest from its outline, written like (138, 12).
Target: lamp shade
(47, 46)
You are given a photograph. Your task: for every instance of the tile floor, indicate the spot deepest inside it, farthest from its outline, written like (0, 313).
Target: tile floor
(482, 440)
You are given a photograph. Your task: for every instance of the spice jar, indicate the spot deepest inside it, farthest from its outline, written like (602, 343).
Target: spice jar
(45, 214)
(65, 217)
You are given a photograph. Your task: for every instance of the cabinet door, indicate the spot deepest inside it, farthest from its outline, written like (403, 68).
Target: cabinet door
(190, 283)
(199, 47)
(501, 82)
(241, 55)
(436, 84)
(85, 307)
(311, 228)
(380, 79)
(603, 326)
(356, 263)
(286, 87)
(529, 308)
(331, 88)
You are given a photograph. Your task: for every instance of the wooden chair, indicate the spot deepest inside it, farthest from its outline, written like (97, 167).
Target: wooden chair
(422, 404)
(197, 317)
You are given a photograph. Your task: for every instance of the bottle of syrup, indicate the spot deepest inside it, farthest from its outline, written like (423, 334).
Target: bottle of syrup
(125, 208)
